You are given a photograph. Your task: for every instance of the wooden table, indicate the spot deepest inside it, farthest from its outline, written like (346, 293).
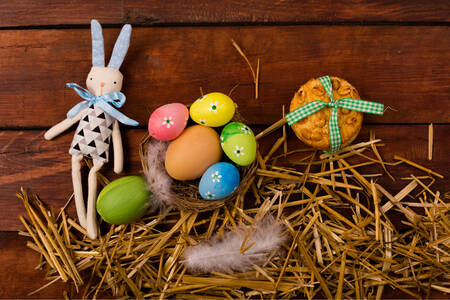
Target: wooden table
(395, 52)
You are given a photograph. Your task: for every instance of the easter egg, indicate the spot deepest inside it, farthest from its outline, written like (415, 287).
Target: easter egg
(194, 151)
(168, 121)
(219, 181)
(213, 110)
(239, 143)
(124, 200)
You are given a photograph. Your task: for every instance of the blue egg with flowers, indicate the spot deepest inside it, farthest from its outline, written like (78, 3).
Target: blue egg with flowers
(219, 181)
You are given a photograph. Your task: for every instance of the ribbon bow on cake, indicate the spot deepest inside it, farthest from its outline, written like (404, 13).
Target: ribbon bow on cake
(103, 101)
(333, 125)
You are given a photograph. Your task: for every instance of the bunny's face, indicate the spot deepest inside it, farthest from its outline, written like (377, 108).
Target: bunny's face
(104, 80)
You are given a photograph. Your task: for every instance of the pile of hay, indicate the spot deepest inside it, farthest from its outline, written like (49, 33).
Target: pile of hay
(343, 240)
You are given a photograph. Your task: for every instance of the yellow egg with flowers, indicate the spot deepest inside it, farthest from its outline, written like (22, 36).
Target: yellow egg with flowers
(213, 110)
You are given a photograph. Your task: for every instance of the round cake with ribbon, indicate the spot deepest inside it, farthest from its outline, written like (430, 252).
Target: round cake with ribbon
(326, 113)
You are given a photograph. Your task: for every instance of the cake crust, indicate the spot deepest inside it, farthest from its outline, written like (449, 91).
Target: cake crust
(313, 130)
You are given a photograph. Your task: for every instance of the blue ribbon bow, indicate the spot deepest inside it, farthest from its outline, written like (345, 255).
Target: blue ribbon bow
(104, 102)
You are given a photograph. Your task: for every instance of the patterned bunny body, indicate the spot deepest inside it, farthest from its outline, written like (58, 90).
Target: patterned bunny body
(93, 134)
(99, 120)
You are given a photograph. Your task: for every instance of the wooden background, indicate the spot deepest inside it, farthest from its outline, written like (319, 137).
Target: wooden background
(395, 52)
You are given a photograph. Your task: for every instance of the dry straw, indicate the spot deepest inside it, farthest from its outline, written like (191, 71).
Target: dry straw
(347, 238)
(255, 75)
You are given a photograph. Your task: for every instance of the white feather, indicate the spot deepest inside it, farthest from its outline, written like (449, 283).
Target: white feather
(159, 182)
(225, 255)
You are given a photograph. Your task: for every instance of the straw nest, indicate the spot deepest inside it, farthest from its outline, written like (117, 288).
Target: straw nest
(184, 195)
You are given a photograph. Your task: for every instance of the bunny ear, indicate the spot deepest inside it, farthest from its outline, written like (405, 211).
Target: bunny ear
(98, 52)
(121, 47)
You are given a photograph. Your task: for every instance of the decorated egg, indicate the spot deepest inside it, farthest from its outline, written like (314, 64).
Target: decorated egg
(124, 200)
(194, 151)
(213, 110)
(239, 143)
(168, 121)
(219, 181)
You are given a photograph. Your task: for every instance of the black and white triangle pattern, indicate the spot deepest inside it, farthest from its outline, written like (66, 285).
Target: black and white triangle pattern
(93, 135)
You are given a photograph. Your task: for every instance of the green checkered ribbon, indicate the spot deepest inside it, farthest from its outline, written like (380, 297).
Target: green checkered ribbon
(333, 125)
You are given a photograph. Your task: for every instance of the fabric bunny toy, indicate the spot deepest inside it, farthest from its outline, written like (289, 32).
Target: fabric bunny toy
(98, 121)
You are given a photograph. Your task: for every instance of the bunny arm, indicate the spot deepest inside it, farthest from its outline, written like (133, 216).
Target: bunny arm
(118, 149)
(63, 126)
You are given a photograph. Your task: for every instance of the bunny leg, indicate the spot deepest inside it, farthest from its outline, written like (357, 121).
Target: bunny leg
(91, 220)
(78, 189)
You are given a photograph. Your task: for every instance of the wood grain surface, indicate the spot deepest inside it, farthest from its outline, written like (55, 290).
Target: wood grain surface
(19, 275)
(395, 52)
(291, 11)
(160, 12)
(171, 64)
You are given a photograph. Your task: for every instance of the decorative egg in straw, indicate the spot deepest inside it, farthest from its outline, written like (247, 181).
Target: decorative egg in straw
(219, 181)
(239, 143)
(124, 200)
(167, 122)
(213, 110)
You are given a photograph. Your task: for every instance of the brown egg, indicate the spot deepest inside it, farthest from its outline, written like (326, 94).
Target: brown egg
(194, 151)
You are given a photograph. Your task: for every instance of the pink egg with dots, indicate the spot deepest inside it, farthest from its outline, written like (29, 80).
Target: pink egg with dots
(167, 122)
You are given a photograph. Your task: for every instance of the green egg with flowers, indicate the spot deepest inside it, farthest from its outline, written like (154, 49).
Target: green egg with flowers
(239, 143)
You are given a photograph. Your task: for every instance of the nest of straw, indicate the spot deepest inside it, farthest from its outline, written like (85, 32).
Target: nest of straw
(184, 195)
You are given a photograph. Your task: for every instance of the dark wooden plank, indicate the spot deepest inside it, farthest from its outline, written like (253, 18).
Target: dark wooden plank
(57, 12)
(268, 11)
(19, 276)
(160, 12)
(406, 68)
(27, 160)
